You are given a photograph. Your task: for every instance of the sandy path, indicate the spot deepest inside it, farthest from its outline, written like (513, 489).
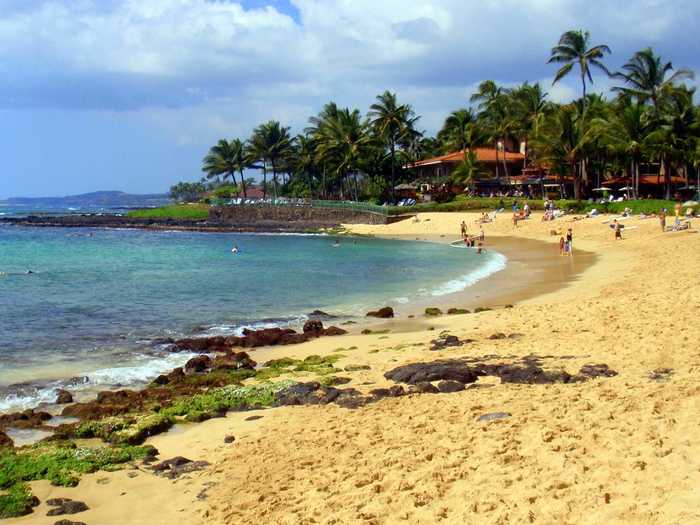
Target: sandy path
(615, 450)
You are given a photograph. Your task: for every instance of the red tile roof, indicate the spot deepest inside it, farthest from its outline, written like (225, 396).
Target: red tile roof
(482, 155)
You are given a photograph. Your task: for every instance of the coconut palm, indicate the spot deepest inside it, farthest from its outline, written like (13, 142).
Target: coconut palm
(648, 78)
(572, 49)
(271, 143)
(344, 141)
(394, 123)
(495, 114)
(222, 159)
(531, 108)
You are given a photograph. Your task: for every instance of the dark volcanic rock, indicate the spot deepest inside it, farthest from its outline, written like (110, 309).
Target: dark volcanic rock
(26, 419)
(334, 330)
(233, 361)
(383, 313)
(5, 440)
(497, 335)
(444, 342)
(394, 391)
(57, 502)
(454, 370)
(197, 364)
(423, 388)
(63, 397)
(320, 314)
(229, 439)
(68, 507)
(201, 344)
(68, 522)
(447, 387)
(253, 418)
(175, 467)
(592, 371)
(313, 327)
(531, 375)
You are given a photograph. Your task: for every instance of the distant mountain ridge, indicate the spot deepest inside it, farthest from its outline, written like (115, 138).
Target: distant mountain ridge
(95, 198)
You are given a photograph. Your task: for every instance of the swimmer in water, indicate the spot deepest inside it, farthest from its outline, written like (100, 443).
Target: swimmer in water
(336, 244)
(234, 250)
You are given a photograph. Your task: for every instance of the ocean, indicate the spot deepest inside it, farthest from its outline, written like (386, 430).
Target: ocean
(87, 314)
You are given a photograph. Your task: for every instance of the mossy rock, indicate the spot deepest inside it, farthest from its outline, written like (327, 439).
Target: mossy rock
(482, 309)
(356, 368)
(457, 311)
(432, 312)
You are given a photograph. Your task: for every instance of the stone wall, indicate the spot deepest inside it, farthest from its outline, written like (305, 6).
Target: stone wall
(281, 215)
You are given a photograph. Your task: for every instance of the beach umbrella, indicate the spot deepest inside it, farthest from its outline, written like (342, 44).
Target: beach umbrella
(626, 188)
(690, 204)
(602, 189)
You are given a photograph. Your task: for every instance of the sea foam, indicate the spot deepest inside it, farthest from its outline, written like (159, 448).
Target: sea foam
(496, 263)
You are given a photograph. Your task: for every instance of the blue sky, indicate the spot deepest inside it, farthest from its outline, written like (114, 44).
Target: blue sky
(129, 94)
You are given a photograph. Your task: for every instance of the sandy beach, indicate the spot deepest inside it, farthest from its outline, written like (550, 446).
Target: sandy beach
(620, 449)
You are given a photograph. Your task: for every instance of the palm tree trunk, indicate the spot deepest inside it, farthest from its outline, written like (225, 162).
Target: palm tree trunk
(497, 173)
(667, 180)
(245, 194)
(393, 173)
(264, 179)
(274, 178)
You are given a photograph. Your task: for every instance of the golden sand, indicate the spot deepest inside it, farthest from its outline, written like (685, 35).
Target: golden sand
(614, 450)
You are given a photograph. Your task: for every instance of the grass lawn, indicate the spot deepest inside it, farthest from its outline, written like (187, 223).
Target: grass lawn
(173, 211)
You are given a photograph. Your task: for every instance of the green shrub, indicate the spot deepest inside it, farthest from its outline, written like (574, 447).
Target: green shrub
(16, 502)
(432, 311)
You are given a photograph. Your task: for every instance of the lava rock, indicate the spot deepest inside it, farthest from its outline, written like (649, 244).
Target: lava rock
(394, 391)
(63, 397)
(497, 335)
(593, 371)
(68, 507)
(197, 364)
(415, 373)
(313, 327)
(68, 522)
(447, 387)
(356, 368)
(457, 311)
(26, 419)
(5, 440)
(229, 439)
(383, 313)
(423, 388)
(253, 418)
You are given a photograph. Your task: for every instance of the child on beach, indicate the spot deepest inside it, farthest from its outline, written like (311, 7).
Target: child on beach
(562, 245)
(662, 220)
(617, 227)
(569, 246)
(480, 248)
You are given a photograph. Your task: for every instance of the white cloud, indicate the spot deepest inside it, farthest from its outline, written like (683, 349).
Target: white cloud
(174, 60)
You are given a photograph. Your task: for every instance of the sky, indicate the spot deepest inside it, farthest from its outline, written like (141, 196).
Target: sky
(130, 94)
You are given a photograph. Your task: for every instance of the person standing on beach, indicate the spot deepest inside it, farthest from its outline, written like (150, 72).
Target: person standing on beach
(618, 230)
(570, 242)
(662, 220)
(464, 229)
(562, 245)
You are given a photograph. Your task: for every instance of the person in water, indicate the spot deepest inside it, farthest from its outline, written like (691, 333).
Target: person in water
(235, 249)
(336, 244)
(480, 248)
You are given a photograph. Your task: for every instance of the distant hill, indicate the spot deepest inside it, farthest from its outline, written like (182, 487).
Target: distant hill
(107, 199)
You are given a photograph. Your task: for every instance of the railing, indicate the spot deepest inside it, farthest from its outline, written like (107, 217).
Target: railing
(304, 203)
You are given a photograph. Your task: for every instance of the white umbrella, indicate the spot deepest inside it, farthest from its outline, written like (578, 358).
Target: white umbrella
(689, 204)
(602, 189)
(626, 188)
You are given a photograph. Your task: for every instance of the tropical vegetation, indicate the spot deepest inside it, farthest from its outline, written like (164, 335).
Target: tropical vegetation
(647, 123)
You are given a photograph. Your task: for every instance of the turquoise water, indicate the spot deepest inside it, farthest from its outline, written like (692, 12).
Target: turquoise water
(97, 298)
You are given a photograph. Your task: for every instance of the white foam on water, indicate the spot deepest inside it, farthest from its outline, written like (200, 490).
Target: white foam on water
(401, 300)
(16, 402)
(496, 264)
(141, 372)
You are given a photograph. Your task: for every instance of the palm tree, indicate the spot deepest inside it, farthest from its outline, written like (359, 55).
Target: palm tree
(392, 122)
(467, 170)
(459, 131)
(344, 142)
(271, 143)
(222, 159)
(647, 76)
(573, 49)
(531, 108)
(625, 132)
(493, 111)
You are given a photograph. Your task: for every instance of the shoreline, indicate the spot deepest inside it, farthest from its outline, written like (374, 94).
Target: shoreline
(525, 259)
(575, 453)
